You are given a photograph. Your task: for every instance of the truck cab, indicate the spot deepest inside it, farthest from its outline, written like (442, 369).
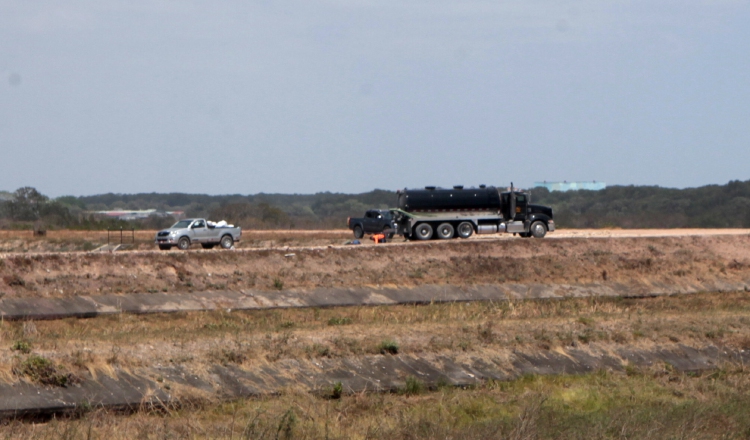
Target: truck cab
(375, 221)
(514, 208)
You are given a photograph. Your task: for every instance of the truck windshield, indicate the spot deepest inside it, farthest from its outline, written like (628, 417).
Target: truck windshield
(182, 224)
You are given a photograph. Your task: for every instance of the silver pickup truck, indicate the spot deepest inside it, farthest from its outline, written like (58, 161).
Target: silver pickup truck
(197, 230)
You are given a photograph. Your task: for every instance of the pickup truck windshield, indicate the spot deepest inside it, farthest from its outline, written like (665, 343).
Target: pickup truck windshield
(182, 224)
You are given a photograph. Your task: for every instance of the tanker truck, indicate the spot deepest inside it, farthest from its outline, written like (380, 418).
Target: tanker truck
(440, 213)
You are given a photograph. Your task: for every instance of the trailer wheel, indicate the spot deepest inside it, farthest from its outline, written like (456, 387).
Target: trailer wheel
(358, 232)
(183, 243)
(538, 229)
(423, 231)
(445, 231)
(227, 241)
(465, 230)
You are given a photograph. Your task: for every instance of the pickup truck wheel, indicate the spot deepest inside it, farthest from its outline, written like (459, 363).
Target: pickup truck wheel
(227, 242)
(165, 247)
(465, 230)
(208, 245)
(183, 243)
(358, 232)
(445, 231)
(423, 231)
(538, 229)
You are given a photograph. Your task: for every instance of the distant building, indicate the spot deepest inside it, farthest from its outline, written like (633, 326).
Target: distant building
(138, 215)
(571, 186)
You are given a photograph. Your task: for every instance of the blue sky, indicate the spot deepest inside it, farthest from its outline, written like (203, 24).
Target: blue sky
(348, 96)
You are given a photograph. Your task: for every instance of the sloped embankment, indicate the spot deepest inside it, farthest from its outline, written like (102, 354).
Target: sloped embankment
(680, 262)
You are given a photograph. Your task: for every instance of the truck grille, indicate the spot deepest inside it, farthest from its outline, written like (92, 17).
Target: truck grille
(162, 234)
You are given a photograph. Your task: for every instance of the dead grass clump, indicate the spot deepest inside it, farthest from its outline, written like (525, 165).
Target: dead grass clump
(226, 356)
(485, 333)
(277, 346)
(14, 280)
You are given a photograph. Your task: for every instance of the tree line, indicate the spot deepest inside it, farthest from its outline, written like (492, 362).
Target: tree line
(712, 206)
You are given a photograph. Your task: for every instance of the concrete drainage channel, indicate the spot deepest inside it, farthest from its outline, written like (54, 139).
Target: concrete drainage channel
(162, 387)
(157, 386)
(98, 305)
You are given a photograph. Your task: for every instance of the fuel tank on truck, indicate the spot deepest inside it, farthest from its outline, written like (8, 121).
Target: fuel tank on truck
(456, 199)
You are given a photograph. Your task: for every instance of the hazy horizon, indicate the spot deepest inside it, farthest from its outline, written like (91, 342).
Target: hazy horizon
(530, 187)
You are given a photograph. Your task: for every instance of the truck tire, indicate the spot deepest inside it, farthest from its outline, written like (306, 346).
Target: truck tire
(423, 231)
(445, 231)
(183, 243)
(358, 232)
(227, 242)
(464, 230)
(165, 247)
(538, 229)
(207, 245)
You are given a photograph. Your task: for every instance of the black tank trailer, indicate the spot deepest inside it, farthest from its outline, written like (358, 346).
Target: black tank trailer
(433, 199)
(460, 212)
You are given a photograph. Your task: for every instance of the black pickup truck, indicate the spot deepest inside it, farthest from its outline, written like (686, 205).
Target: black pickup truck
(375, 221)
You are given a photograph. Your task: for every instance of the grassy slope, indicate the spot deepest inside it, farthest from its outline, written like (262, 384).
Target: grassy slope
(649, 403)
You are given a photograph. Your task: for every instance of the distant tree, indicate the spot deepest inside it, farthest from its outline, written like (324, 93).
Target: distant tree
(26, 204)
(71, 201)
(272, 215)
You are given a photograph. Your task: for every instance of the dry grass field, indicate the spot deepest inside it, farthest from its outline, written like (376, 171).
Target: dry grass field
(654, 402)
(640, 402)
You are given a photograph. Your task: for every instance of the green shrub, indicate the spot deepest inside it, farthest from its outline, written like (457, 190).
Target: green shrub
(278, 284)
(42, 370)
(388, 346)
(337, 391)
(632, 370)
(413, 386)
(22, 346)
(339, 321)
